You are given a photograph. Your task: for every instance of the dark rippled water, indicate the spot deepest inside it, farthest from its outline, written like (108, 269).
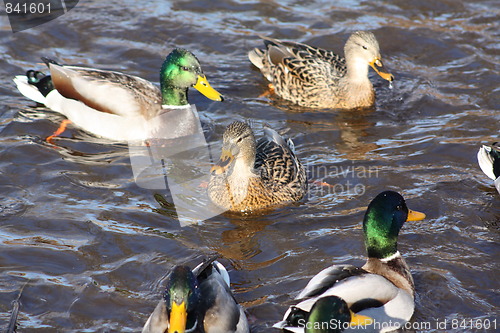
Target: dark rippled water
(92, 249)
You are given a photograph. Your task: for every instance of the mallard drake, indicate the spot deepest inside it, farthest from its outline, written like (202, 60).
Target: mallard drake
(488, 157)
(329, 314)
(314, 77)
(252, 176)
(119, 106)
(383, 288)
(198, 300)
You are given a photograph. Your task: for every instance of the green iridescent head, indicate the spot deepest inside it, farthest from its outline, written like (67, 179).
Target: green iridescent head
(180, 71)
(384, 217)
(331, 314)
(181, 299)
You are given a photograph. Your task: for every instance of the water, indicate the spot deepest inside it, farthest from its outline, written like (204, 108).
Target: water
(92, 249)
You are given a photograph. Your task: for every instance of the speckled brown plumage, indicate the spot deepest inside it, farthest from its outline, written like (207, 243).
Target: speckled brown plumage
(252, 176)
(315, 77)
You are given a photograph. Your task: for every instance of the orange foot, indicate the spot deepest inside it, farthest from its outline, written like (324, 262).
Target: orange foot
(268, 92)
(61, 129)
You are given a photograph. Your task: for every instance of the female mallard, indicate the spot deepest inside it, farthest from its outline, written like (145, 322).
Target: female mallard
(383, 288)
(251, 176)
(118, 106)
(198, 301)
(314, 77)
(489, 161)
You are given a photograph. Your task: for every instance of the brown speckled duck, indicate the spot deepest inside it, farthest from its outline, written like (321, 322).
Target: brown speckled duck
(254, 175)
(314, 77)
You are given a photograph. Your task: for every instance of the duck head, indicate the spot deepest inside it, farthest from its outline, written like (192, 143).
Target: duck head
(180, 71)
(181, 298)
(362, 48)
(331, 315)
(238, 146)
(385, 216)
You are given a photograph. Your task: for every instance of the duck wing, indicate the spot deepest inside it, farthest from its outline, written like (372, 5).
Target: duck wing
(284, 60)
(368, 294)
(218, 308)
(107, 91)
(276, 161)
(158, 321)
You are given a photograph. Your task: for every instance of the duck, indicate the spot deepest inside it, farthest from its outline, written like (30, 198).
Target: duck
(198, 300)
(329, 314)
(118, 106)
(383, 288)
(488, 157)
(317, 78)
(252, 176)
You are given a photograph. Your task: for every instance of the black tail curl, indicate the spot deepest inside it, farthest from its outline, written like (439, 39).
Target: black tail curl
(41, 81)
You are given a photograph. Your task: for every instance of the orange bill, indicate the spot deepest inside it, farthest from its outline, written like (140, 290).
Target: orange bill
(378, 66)
(204, 87)
(226, 158)
(414, 216)
(360, 320)
(178, 318)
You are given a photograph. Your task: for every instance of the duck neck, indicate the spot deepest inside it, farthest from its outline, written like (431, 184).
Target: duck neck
(381, 239)
(172, 95)
(242, 170)
(357, 71)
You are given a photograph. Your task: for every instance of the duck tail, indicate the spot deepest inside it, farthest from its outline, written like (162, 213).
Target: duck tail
(36, 85)
(489, 161)
(49, 61)
(41, 81)
(256, 57)
(274, 136)
(210, 266)
(28, 89)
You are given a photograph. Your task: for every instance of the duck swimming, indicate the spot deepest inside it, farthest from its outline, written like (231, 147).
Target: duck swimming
(119, 106)
(488, 157)
(383, 289)
(198, 300)
(253, 175)
(318, 78)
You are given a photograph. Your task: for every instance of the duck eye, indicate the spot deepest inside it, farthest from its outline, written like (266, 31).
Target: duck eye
(399, 207)
(239, 139)
(184, 68)
(365, 48)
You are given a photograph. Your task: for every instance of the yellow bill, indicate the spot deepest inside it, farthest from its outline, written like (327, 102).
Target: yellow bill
(360, 320)
(226, 158)
(204, 87)
(178, 318)
(378, 66)
(414, 216)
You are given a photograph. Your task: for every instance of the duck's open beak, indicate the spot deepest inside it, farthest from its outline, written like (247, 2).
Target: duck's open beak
(178, 318)
(204, 87)
(226, 158)
(360, 320)
(378, 66)
(414, 216)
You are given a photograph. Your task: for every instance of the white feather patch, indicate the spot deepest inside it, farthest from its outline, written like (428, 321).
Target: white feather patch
(28, 90)
(486, 161)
